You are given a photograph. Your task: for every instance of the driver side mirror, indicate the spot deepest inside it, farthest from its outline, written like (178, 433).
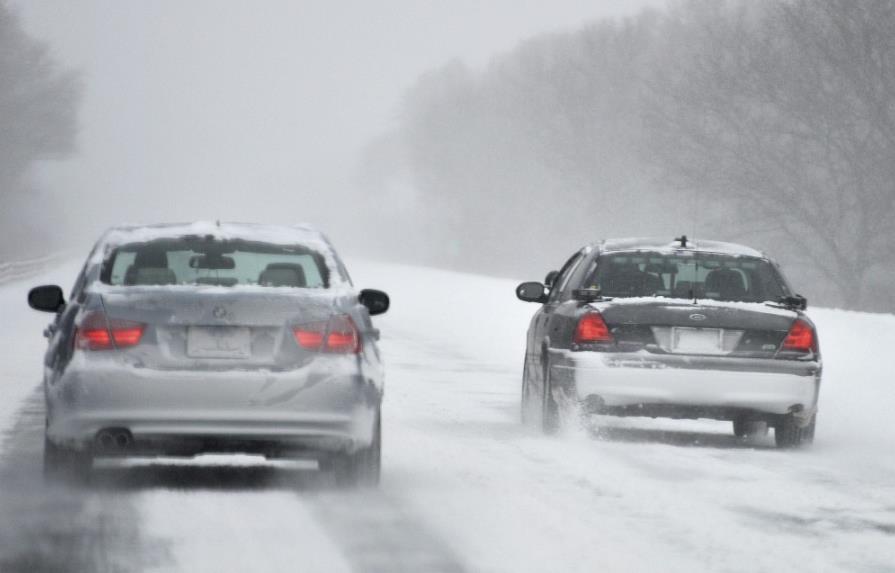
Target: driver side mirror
(531, 292)
(376, 301)
(47, 298)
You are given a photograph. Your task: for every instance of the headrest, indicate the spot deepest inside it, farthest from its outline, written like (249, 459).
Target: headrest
(150, 276)
(283, 274)
(727, 282)
(151, 258)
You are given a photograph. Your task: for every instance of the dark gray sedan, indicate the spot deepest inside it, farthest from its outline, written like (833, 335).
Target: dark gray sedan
(186, 339)
(682, 329)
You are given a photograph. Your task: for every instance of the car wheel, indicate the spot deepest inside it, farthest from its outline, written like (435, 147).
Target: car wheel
(62, 465)
(363, 467)
(550, 410)
(808, 431)
(790, 433)
(743, 428)
(525, 407)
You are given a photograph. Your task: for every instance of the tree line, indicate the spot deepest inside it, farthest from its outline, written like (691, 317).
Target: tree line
(767, 122)
(38, 122)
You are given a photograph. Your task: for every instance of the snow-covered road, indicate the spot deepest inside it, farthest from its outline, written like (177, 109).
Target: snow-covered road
(465, 486)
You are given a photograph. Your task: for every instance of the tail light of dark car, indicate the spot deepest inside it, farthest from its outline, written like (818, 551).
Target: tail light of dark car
(591, 329)
(97, 331)
(801, 340)
(338, 335)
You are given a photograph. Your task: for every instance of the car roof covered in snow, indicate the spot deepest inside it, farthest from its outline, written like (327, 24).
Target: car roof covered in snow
(299, 234)
(663, 245)
(278, 234)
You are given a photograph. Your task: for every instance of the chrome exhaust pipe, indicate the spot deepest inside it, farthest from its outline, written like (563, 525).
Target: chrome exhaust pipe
(123, 440)
(113, 440)
(105, 441)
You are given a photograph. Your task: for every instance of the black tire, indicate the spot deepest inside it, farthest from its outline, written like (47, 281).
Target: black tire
(808, 431)
(551, 418)
(62, 465)
(791, 433)
(744, 428)
(525, 406)
(364, 467)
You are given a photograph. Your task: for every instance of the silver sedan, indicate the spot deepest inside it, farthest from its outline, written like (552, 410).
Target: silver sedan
(178, 340)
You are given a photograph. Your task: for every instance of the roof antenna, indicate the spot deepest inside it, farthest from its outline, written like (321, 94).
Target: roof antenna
(218, 223)
(683, 241)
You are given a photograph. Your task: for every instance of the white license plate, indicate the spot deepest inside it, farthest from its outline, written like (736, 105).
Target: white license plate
(219, 342)
(697, 340)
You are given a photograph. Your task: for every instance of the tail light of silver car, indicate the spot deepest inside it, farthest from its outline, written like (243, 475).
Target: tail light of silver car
(337, 335)
(800, 341)
(97, 331)
(591, 329)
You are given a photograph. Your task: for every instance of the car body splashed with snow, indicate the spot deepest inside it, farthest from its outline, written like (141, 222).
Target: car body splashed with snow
(642, 327)
(190, 339)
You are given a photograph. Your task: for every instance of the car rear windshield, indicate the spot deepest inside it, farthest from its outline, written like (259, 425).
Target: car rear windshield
(207, 261)
(687, 275)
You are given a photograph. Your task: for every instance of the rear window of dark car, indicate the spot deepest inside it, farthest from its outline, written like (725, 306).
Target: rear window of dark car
(215, 262)
(687, 275)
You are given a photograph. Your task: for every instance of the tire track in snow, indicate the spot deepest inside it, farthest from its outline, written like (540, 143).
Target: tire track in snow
(379, 535)
(48, 528)
(100, 528)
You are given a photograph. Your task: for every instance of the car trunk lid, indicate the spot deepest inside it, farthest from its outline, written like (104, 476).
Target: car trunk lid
(218, 328)
(709, 327)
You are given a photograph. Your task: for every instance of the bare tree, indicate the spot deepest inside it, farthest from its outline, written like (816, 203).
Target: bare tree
(38, 110)
(783, 111)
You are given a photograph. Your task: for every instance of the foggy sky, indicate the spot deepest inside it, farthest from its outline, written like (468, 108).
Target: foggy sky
(255, 111)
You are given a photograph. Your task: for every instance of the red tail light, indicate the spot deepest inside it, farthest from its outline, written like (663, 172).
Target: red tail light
(338, 335)
(99, 332)
(592, 328)
(800, 338)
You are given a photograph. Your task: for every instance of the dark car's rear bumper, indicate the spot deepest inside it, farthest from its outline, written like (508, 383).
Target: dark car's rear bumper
(649, 384)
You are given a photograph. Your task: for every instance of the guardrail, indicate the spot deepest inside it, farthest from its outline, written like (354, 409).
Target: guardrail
(14, 270)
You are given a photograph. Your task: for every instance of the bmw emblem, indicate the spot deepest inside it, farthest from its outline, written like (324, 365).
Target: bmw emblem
(697, 317)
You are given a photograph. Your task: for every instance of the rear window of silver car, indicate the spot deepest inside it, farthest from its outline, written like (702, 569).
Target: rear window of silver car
(203, 261)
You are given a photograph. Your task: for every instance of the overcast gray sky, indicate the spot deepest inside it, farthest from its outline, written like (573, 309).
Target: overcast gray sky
(256, 110)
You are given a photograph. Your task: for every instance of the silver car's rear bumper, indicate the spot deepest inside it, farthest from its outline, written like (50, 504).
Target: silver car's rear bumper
(328, 406)
(622, 380)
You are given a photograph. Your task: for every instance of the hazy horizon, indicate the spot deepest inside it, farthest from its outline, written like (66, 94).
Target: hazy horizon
(224, 110)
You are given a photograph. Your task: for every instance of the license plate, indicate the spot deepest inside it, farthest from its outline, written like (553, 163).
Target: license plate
(219, 342)
(697, 340)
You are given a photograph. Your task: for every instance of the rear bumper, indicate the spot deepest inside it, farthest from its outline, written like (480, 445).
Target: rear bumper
(691, 386)
(329, 406)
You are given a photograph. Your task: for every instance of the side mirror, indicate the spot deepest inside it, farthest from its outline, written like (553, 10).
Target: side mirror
(376, 301)
(550, 279)
(47, 298)
(531, 292)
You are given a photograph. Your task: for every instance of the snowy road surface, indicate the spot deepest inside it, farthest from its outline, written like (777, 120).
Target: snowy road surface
(465, 486)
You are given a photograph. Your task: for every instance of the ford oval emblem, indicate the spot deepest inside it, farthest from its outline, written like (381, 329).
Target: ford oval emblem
(697, 317)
